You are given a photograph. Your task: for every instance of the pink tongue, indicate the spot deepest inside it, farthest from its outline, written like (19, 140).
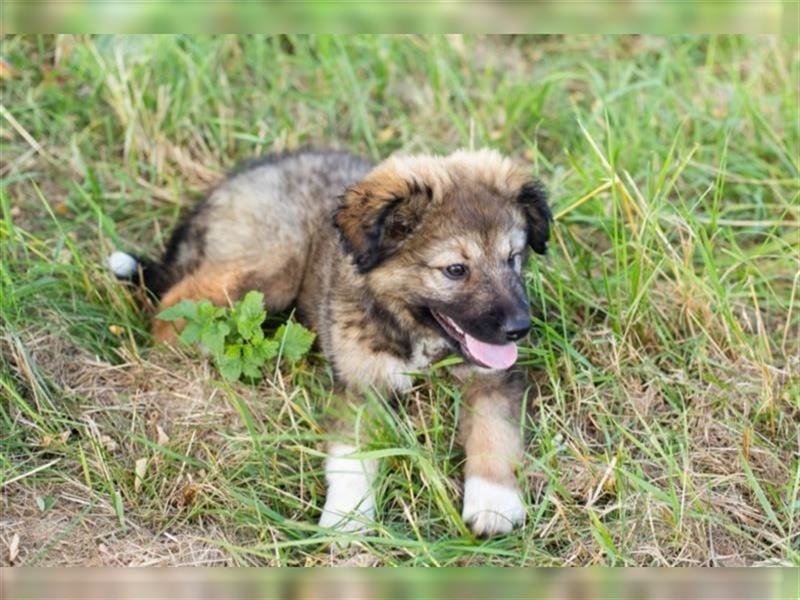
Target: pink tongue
(491, 355)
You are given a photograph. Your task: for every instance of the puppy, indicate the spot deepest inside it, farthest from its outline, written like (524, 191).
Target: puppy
(394, 267)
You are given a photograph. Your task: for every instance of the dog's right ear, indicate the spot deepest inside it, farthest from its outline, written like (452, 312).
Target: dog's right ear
(378, 214)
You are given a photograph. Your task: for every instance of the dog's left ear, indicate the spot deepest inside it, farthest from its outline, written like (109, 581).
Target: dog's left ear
(533, 198)
(376, 215)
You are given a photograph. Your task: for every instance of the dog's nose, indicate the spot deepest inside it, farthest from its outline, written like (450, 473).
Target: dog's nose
(516, 326)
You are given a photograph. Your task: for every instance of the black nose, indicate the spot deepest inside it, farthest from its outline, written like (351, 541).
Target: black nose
(516, 326)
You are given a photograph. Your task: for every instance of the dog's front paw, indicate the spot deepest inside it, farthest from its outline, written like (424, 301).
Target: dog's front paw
(350, 502)
(491, 508)
(347, 510)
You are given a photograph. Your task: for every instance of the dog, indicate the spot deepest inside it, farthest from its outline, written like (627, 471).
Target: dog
(394, 267)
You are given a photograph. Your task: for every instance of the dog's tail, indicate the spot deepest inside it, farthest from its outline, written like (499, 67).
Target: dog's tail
(140, 271)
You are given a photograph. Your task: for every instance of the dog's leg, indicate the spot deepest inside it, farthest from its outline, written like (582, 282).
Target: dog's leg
(225, 283)
(493, 445)
(350, 500)
(219, 284)
(350, 481)
(350, 497)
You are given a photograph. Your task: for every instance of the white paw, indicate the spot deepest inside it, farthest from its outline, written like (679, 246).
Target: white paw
(350, 502)
(346, 512)
(122, 265)
(490, 508)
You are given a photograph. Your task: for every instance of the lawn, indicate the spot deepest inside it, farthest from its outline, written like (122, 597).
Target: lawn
(662, 416)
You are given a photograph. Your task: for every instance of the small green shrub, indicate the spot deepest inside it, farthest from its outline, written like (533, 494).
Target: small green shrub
(234, 335)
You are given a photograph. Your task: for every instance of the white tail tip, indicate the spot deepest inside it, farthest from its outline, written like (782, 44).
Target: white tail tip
(122, 265)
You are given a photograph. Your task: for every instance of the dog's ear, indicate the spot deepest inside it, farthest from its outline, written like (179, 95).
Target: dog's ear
(375, 216)
(533, 198)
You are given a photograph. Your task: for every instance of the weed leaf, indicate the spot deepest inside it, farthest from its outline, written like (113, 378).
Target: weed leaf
(185, 309)
(296, 340)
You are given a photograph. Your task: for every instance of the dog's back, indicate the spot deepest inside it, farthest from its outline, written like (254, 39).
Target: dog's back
(268, 207)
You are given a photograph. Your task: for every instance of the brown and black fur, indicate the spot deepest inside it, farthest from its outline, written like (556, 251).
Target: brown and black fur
(360, 251)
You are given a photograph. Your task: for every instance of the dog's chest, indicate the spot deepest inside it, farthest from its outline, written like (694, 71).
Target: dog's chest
(361, 359)
(427, 351)
(424, 353)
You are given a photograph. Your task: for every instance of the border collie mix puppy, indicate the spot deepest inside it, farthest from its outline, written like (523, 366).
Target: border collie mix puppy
(394, 267)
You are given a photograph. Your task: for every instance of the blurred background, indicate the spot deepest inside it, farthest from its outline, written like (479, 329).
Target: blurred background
(549, 16)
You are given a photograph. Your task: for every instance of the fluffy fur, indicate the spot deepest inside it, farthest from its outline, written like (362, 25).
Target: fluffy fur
(394, 267)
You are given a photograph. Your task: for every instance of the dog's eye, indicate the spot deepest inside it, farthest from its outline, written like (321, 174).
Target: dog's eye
(457, 271)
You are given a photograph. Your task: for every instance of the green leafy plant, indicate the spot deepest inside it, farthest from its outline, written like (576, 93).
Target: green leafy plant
(234, 336)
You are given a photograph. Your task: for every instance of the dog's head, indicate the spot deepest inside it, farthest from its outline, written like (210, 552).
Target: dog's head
(445, 239)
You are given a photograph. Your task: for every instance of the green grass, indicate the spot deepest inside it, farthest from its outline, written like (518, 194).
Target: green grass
(662, 418)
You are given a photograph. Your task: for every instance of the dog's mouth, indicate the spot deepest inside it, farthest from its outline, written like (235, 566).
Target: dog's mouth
(491, 356)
